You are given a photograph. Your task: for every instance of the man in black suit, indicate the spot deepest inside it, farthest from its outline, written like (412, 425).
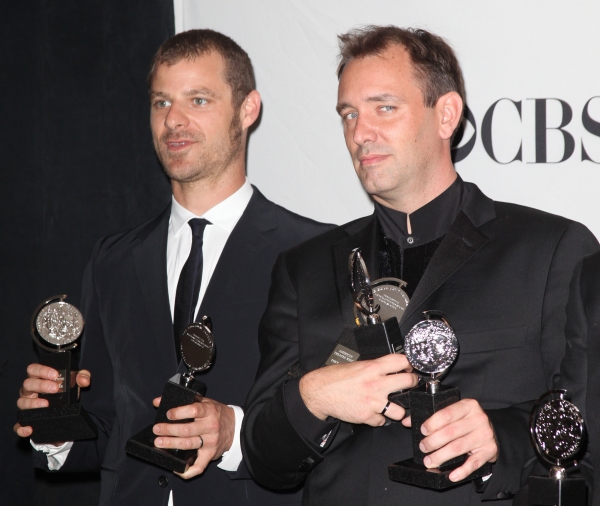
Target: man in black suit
(210, 253)
(499, 272)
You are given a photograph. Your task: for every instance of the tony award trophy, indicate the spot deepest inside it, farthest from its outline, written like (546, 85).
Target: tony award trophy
(197, 351)
(55, 326)
(557, 432)
(431, 348)
(378, 307)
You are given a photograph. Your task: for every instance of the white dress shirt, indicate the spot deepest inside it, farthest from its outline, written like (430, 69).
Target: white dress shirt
(223, 218)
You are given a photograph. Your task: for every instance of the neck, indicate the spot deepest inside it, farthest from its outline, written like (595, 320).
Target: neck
(204, 194)
(416, 193)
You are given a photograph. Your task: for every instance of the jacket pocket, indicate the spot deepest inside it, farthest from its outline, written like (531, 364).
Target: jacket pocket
(479, 341)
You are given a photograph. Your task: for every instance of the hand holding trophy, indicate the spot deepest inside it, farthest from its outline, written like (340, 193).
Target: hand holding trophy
(431, 347)
(55, 327)
(197, 352)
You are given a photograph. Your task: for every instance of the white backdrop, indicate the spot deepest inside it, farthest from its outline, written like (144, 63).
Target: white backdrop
(520, 50)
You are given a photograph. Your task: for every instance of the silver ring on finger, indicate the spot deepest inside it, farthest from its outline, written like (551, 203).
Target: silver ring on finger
(201, 442)
(386, 407)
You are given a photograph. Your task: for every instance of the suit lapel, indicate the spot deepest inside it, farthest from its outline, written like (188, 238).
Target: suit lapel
(365, 237)
(243, 247)
(461, 242)
(150, 262)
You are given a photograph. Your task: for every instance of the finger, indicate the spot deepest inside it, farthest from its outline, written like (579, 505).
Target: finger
(195, 410)
(407, 422)
(156, 402)
(447, 435)
(400, 381)
(455, 448)
(394, 362)
(180, 443)
(184, 429)
(472, 463)
(447, 416)
(199, 466)
(31, 403)
(38, 386)
(22, 431)
(42, 371)
(395, 412)
(84, 378)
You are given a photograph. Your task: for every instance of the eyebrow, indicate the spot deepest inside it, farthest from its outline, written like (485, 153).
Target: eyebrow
(188, 93)
(384, 97)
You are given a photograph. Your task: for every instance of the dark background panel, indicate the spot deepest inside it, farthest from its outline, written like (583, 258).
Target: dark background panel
(77, 163)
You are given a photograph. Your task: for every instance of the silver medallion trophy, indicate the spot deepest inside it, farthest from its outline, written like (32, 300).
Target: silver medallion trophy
(378, 306)
(55, 327)
(431, 347)
(557, 433)
(197, 352)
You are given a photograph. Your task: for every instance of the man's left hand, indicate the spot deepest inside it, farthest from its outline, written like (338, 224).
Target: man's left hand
(211, 432)
(458, 429)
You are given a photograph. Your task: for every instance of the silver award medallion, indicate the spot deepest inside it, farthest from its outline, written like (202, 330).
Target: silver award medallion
(197, 347)
(431, 346)
(57, 323)
(556, 428)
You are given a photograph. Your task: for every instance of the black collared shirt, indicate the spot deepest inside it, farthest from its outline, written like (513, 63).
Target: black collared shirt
(428, 223)
(406, 256)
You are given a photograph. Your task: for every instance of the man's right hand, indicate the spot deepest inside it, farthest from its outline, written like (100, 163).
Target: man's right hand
(358, 392)
(41, 379)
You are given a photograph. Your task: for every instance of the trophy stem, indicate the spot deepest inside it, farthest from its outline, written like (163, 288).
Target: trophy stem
(433, 386)
(558, 473)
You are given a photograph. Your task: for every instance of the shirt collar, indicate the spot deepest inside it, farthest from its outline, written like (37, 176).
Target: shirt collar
(429, 222)
(224, 215)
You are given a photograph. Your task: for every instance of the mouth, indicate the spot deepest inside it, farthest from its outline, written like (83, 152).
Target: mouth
(368, 160)
(178, 145)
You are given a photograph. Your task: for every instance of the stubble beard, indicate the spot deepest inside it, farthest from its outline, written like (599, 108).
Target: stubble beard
(212, 160)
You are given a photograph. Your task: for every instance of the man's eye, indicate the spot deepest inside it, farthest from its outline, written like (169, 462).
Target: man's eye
(387, 108)
(160, 104)
(351, 115)
(199, 101)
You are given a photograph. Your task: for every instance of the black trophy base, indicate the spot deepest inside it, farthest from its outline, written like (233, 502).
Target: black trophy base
(58, 424)
(546, 491)
(178, 391)
(409, 472)
(142, 446)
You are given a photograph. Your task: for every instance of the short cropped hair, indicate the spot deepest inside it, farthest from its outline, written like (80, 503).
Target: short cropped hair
(239, 74)
(436, 67)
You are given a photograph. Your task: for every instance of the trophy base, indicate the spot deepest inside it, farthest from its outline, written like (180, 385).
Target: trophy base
(58, 424)
(142, 446)
(546, 491)
(409, 472)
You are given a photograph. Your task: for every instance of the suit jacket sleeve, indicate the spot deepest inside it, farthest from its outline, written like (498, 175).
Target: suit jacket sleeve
(276, 454)
(97, 399)
(516, 458)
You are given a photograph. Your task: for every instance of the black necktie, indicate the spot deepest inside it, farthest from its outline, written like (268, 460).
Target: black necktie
(188, 286)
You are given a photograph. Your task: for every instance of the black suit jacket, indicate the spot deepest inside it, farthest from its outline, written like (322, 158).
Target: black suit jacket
(501, 275)
(128, 346)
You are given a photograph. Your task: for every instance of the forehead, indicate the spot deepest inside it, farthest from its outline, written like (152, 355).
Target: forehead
(205, 71)
(389, 72)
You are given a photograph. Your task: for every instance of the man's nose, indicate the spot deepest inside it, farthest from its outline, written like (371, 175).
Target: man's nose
(176, 117)
(364, 131)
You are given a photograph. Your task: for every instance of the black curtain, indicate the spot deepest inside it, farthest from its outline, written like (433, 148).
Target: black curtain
(77, 163)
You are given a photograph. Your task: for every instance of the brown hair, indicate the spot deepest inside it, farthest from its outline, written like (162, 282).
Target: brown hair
(435, 65)
(239, 74)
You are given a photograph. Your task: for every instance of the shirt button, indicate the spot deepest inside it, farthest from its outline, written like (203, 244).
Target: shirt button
(163, 481)
(410, 240)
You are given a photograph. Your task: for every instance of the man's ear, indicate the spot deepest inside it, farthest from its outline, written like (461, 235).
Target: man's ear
(250, 109)
(450, 108)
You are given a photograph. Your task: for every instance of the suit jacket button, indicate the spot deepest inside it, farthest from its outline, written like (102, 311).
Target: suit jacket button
(502, 495)
(163, 481)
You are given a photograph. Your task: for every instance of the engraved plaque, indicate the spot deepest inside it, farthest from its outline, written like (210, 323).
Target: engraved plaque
(197, 347)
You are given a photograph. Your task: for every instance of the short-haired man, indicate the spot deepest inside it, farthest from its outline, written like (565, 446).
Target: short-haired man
(499, 272)
(142, 287)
